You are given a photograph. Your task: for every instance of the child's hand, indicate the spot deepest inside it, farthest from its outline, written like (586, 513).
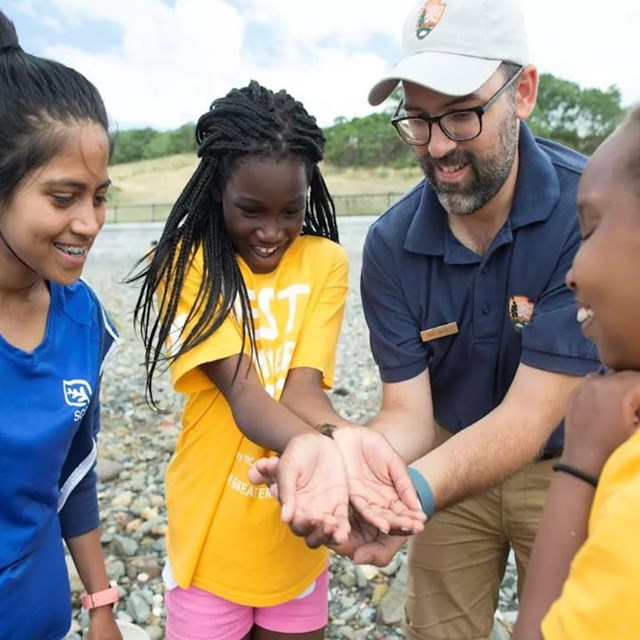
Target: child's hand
(102, 625)
(310, 482)
(379, 487)
(603, 412)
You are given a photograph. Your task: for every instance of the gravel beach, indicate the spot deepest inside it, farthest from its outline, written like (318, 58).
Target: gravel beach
(136, 444)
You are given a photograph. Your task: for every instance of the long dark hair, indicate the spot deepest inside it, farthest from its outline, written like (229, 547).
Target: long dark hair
(37, 95)
(251, 121)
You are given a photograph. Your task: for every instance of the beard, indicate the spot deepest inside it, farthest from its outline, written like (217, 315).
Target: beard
(489, 172)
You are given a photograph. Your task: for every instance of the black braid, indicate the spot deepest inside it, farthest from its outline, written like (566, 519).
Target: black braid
(248, 121)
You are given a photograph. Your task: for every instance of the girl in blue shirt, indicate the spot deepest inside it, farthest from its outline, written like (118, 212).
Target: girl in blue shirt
(54, 340)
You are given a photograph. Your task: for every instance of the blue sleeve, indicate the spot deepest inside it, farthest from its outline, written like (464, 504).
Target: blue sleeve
(394, 332)
(554, 341)
(80, 513)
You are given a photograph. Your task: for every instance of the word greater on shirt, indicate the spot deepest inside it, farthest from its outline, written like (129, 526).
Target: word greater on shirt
(246, 489)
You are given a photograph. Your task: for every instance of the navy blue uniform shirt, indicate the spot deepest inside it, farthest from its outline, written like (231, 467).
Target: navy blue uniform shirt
(511, 305)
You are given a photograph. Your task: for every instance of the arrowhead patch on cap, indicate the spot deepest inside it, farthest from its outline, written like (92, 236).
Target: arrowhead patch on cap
(429, 17)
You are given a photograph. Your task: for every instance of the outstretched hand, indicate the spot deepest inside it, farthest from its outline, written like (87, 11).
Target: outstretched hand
(310, 481)
(380, 489)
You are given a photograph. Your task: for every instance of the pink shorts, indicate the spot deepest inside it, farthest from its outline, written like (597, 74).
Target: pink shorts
(195, 614)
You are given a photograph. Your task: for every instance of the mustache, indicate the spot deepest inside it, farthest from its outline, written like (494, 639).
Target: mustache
(453, 158)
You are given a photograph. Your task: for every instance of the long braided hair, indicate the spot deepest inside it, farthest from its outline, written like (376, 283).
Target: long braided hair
(251, 121)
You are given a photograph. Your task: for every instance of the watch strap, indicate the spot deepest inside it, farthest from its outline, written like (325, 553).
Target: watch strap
(100, 598)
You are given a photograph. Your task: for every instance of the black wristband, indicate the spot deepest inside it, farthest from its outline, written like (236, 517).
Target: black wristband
(572, 471)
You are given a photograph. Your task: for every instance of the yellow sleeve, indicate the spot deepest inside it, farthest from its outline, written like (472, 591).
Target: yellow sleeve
(226, 341)
(601, 595)
(318, 340)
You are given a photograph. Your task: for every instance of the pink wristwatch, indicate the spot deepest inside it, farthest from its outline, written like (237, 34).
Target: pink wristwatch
(100, 598)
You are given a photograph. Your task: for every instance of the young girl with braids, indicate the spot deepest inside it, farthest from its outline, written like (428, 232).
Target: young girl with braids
(54, 341)
(251, 285)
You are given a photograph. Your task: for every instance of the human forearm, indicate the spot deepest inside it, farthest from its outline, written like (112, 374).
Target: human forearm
(475, 459)
(257, 414)
(304, 396)
(501, 443)
(410, 435)
(602, 413)
(406, 417)
(266, 422)
(562, 531)
(86, 552)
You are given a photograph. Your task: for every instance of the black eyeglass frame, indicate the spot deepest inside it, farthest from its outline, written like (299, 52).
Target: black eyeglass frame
(431, 120)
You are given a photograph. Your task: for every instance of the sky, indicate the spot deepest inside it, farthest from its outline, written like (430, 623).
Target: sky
(160, 63)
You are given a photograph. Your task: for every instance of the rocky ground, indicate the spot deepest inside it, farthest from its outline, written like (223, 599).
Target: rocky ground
(136, 444)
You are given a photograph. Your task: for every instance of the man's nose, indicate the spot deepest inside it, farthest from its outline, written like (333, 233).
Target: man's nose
(440, 145)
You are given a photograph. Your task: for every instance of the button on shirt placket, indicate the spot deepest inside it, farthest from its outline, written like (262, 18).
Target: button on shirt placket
(486, 302)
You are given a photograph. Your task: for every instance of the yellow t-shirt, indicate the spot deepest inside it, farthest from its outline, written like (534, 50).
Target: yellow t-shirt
(225, 535)
(601, 598)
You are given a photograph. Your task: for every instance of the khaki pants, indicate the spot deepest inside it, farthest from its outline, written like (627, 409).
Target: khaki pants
(457, 563)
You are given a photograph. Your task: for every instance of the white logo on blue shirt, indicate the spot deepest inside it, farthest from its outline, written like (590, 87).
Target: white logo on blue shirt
(77, 393)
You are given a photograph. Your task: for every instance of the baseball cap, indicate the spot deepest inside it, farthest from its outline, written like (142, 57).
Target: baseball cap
(455, 46)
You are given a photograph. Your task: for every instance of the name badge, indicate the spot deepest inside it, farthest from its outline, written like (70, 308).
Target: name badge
(442, 331)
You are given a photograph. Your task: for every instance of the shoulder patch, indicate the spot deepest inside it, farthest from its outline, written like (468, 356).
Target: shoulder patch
(520, 311)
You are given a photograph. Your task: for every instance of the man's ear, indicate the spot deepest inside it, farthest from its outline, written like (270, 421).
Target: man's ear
(527, 91)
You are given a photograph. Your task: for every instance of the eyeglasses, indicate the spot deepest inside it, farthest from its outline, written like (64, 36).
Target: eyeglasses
(459, 126)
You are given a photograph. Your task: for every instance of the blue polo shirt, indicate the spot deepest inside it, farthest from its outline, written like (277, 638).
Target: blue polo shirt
(511, 305)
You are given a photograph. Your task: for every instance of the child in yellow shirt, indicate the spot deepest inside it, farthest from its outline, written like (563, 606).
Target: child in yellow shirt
(583, 574)
(251, 283)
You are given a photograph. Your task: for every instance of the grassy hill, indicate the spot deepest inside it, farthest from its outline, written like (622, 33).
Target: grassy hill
(140, 187)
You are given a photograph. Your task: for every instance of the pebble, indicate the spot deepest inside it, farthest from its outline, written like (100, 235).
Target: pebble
(136, 444)
(107, 469)
(391, 604)
(138, 607)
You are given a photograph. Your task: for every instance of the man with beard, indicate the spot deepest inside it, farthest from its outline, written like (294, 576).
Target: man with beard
(471, 324)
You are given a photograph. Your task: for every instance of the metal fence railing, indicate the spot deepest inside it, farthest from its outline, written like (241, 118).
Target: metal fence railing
(138, 212)
(360, 204)
(364, 204)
